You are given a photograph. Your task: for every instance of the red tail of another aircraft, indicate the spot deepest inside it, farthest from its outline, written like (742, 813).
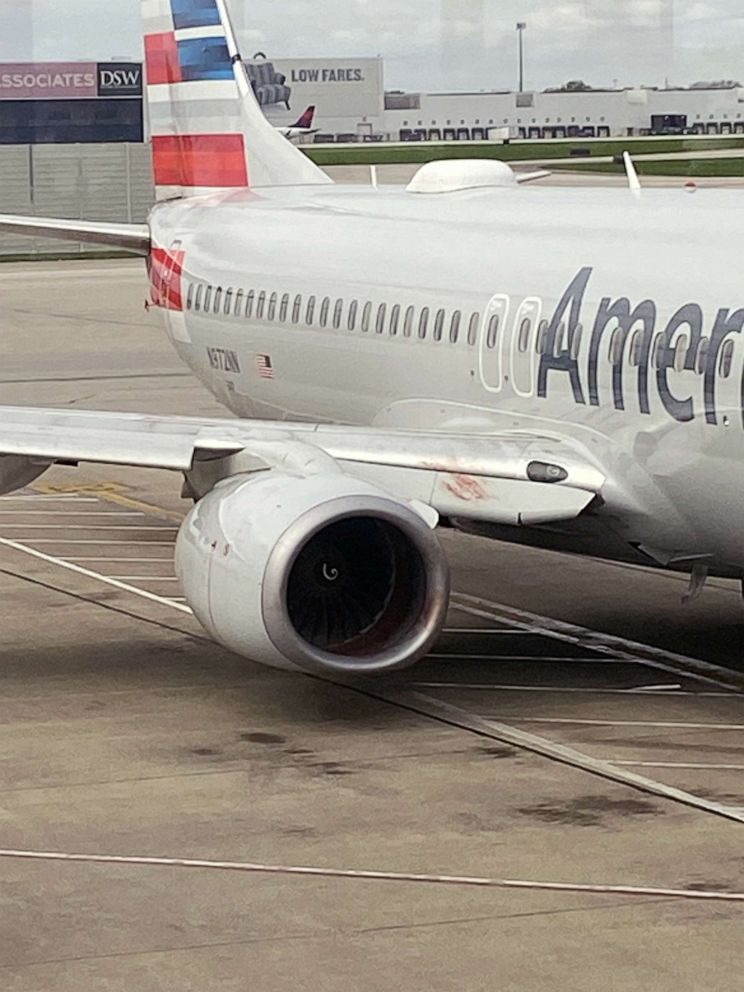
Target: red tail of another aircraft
(307, 118)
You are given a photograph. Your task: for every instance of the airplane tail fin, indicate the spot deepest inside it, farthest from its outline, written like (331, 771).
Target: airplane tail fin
(306, 121)
(208, 131)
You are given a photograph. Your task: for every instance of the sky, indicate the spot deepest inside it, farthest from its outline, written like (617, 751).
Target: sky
(430, 45)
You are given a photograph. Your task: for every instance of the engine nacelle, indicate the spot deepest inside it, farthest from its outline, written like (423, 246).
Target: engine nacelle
(325, 573)
(17, 472)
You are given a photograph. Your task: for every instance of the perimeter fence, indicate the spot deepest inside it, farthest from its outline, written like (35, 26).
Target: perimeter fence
(106, 182)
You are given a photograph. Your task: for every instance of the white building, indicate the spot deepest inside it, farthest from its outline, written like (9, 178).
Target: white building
(351, 101)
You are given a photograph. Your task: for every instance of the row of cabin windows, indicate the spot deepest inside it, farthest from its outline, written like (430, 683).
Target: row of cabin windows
(411, 321)
(396, 320)
(570, 341)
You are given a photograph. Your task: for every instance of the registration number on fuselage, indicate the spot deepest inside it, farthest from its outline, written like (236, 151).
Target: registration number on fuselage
(223, 359)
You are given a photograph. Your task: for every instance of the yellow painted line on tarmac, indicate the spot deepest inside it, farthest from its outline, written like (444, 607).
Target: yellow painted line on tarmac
(112, 492)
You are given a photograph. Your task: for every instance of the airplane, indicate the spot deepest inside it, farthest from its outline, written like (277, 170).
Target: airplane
(556, 367)
(301, 127)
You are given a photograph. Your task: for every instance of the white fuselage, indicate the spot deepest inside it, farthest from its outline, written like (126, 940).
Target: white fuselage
(362, 311)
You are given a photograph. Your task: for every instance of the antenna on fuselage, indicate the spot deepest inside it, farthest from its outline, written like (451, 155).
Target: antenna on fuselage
(373, 176)
(633, 181)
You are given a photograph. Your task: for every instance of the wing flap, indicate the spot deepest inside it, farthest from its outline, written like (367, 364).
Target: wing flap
(128, 237)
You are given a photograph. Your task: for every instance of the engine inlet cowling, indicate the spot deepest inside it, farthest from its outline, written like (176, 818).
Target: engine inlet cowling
(326, 573)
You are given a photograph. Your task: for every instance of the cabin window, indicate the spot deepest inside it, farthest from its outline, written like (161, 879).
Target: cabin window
(394, 320)
(208, 298)
(727, 359)
(541, 337)
(260, 304)
(228, 301)
(338, 312)
(283, 308)
(617, 342)
(198, 298)
(574, 341)
(272, 306)
(296, 309)
(324, 308)
(423, 323)
(239, 302)
(249, 298)
(366, 314)
(473, 328)
(658, 351)
(636, 347)
(702, 355)
(217, 299)
(439, 325)
(381, 311)
(525, 328)
(408, 322)
(351, 319)
(680, 353)
(190, 297)
(454, 331)
(492, 333)
(310, 311)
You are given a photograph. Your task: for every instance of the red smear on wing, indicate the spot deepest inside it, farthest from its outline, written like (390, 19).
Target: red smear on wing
(194, 160)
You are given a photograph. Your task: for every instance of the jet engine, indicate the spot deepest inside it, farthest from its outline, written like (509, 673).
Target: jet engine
(17, 472)
(325, 573)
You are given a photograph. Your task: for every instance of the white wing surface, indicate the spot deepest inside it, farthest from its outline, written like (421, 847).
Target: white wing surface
(131, 237)
(514, 478)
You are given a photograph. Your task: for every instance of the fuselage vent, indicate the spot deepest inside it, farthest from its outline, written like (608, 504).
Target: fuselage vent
(459, 174)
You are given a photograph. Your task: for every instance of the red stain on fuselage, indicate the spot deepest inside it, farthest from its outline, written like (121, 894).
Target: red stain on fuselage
(466, 488)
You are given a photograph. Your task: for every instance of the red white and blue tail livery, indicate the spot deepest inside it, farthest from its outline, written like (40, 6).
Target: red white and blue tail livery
(208, 132)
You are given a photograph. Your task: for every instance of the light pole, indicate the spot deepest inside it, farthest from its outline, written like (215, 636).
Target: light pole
(521, 25)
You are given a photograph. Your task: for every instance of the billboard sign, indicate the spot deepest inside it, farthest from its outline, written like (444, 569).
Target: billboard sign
(119, 79)
(47, 80)
(339, 87)
(69, 80)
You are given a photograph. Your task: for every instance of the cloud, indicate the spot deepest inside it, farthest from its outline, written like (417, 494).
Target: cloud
(429, 44)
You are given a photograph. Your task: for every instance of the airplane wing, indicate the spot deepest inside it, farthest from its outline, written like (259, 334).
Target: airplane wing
(130, 237)
(509, 477)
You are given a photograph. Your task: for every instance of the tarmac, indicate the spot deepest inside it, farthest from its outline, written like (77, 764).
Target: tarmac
(560, 174)
(575, 727)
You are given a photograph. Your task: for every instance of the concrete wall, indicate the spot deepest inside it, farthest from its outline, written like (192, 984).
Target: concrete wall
(91, 182)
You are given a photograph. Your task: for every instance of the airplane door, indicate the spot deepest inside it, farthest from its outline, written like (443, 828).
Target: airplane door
(521, 346)
(490, 348)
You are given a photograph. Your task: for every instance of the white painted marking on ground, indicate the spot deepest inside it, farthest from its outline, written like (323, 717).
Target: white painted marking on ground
(619, 648)
(90, 527)
(137, 561)
(380, 876)
(129, 544)
(503, 687)
(419, 702)
(524, 657)
(73, 513)
(47, 499)
(146, 578)
(689, 765)
(660, 724)
(661, 689)
(486, 630)
(108, 580)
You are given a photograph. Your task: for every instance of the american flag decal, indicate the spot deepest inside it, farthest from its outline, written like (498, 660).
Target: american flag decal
(265, 368)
